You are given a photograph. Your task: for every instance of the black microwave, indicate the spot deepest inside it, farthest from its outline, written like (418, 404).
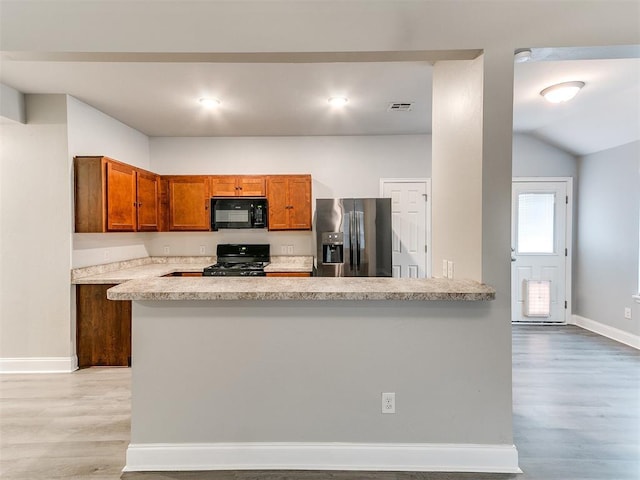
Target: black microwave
(238, 212)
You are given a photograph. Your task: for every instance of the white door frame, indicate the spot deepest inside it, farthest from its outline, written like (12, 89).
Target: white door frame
(568, 234)
(427, 220)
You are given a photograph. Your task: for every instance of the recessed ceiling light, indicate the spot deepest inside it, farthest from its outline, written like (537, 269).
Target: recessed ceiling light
(208, 102)
(338, 101)
(561, 92)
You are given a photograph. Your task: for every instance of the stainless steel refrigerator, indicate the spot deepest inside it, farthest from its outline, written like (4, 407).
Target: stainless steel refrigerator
(353, 237)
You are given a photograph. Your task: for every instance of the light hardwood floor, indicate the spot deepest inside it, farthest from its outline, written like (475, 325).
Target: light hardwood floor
(576, 417)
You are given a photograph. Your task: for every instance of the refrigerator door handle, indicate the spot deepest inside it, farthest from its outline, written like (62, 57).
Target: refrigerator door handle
(359, 228)
(351, 238)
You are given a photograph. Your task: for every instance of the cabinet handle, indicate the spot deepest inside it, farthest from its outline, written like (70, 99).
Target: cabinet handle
(206, 206)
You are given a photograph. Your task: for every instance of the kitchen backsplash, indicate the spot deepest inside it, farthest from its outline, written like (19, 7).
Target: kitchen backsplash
(192, 243)
(96, 249)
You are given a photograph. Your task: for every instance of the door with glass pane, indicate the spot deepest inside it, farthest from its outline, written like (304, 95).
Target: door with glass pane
(539, 252)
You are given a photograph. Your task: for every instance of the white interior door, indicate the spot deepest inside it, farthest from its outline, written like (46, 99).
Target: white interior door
(539, 251)
(410, 207)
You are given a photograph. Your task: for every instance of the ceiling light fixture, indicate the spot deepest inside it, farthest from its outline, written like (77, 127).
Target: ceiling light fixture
(522, 55)
(207, 102)
(561, 92)
(338, 101)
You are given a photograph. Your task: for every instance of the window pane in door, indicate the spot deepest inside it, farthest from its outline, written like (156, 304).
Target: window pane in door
(535, 223)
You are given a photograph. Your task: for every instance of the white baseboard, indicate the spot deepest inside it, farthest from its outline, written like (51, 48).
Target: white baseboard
(606, 331)
(39, 364)
(416, 457)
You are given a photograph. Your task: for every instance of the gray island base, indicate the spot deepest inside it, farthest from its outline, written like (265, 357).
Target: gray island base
(237, 382)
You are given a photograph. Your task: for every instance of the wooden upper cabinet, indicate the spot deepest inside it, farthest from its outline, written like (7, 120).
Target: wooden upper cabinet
(237, 186)
(121, 197)
(289, 199)
(188, 202)
(300, 202)
(251, 186)
(148, 187)
(109, 194)
(223, 186)
(278, 202)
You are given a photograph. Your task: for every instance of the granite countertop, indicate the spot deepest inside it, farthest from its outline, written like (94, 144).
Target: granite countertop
(150, 267)
(312, 288)
(290, 264)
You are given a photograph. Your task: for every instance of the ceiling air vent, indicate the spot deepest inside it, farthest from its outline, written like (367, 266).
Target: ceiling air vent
(399, 107)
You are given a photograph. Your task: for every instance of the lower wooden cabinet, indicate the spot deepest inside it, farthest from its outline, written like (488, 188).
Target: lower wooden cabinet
(103, 328)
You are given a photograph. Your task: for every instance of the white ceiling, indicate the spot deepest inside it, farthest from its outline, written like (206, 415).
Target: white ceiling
(604, 114)
(161, 98)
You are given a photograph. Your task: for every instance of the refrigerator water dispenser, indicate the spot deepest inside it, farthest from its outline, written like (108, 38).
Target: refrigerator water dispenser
(332, 247)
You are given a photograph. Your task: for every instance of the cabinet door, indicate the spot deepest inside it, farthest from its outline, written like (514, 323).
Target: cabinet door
(188, 203)
(121, 197)
(90, 196)
(223, 186)
(250, 186)
(299, 190)
(148, 208)
(278, 203)
(103, 328)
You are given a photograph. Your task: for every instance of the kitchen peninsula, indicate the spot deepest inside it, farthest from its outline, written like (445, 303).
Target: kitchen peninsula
(287, 373)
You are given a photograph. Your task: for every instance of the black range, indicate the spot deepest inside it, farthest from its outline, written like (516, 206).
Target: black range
(235, 260)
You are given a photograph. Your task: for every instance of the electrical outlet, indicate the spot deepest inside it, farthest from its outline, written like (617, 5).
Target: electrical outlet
(450, 270)
(445, 270)
(283, 249)
(107, 254)
(166, 249)
(389, 402)
(202, 250)
(627, 313)
(290, 249)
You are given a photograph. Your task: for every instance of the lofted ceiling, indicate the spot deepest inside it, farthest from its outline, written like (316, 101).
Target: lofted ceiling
(160, 98)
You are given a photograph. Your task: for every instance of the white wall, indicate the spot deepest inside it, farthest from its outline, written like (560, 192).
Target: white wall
(608, 226)
(535, 158)
(91, 132)
(35, 218)
(457, 167)
(339, 166)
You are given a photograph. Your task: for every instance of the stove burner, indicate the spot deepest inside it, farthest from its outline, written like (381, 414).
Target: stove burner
(239, 265)
(239, 260)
